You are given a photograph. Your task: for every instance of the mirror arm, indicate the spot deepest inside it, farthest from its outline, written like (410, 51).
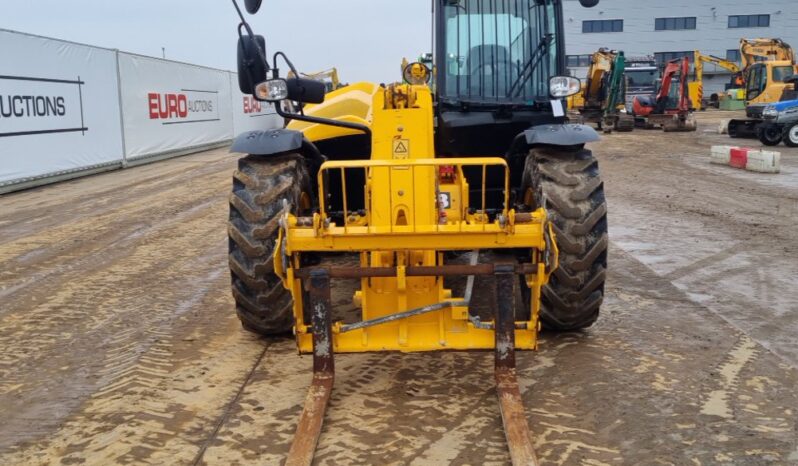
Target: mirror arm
(293, 70)
(285, 57)
(322, 121)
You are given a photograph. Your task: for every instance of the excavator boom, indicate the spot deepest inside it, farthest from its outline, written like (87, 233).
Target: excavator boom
(328, 77)
(696, 87)
(754, 50)
(700, 59)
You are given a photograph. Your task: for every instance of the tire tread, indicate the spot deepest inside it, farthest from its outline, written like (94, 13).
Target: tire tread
(573, 191)
(263, 189)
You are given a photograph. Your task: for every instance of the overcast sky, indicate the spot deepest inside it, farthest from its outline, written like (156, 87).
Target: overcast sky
(365, 39)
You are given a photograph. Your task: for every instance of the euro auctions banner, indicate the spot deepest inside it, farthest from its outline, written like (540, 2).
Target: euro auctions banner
(169, 106)
(59, 107)
(250, 114)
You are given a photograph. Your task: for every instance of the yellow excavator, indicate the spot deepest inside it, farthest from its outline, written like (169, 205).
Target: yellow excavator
(696, 87)
(766, 63)
(401, 187)
(603, 93)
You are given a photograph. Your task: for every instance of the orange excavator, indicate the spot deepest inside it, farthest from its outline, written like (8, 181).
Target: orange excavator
(670, 108)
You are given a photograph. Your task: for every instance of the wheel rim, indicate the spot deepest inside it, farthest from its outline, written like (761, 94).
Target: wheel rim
(772, 134)
(794, 134)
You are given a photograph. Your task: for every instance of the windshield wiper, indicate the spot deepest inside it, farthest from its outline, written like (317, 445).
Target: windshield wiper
(531, 65)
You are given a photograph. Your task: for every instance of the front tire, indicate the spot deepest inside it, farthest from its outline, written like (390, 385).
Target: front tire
(770, 135)
(263, 189)
(568, 183)
(790, 135)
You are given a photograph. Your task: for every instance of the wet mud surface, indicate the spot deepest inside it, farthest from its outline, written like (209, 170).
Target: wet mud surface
(119, 343)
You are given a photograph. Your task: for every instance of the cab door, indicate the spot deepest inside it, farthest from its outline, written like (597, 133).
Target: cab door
(755, 83)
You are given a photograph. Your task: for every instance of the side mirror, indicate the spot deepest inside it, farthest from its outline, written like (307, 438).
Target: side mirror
(306, 90)
(584, 3)
(252, 6)
(251, 69)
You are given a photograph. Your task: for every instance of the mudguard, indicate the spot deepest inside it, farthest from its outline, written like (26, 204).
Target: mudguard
(267, 142)
(561, 135)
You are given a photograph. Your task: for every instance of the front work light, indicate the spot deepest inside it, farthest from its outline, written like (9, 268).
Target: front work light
(564, 86)
(272, 90)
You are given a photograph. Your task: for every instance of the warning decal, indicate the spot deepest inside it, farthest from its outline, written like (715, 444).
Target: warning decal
(401, 148)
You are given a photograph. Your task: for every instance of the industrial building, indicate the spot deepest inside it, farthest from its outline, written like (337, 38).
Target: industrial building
(668, 29)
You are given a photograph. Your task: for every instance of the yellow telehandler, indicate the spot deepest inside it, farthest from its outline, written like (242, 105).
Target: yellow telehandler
(401, 178)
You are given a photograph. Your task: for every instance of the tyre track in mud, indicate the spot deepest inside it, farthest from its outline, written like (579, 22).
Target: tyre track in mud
(624, 392)
(113, 329)
(35, 210)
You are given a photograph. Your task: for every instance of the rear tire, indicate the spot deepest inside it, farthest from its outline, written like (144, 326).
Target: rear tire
(569, 183)
(263, 189)
(770, 135)
(732, 130)
(790, 135)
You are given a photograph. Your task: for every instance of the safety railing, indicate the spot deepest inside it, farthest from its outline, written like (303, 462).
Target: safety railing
(419, 183)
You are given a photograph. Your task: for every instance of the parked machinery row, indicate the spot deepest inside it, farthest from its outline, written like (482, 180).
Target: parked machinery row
(664, 103)
(764, 83)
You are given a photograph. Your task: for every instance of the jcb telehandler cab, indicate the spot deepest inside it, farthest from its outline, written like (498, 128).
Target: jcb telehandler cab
(401, 178)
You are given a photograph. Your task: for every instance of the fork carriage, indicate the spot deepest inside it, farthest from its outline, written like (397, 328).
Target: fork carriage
(405, 306)
(401, 238)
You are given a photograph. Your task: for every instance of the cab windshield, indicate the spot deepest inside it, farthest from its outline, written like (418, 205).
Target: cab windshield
(641, 78)
(501, 51)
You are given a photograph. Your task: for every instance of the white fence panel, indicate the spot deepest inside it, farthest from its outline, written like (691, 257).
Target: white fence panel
(59, 108)
(250, 114)
(171, 106)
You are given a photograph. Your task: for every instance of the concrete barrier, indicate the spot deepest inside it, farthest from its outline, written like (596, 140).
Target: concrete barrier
(738, 157)
(763, 161)
(720, 155)
(745, 158)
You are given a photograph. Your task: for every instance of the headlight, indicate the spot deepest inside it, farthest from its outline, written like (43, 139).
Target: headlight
(272, 90)
(564, 86)
(770, 112)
